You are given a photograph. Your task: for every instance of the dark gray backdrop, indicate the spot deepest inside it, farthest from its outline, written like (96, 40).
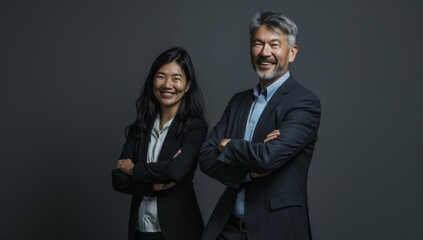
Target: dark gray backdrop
(71, 71)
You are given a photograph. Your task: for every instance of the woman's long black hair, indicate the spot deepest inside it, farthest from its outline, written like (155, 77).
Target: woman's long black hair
(192, 104)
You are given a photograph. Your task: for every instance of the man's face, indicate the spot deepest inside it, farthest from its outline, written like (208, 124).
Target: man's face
(270, 53)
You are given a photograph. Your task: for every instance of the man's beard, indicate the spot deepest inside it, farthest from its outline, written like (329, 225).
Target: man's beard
(269, 76)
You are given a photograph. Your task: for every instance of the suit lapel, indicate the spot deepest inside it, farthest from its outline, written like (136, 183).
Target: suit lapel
(170, 140)
(143, 145)
(274, 101)
(242, 114)
(167, 144)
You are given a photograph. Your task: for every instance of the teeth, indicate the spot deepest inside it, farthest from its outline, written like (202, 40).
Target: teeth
(167, 94)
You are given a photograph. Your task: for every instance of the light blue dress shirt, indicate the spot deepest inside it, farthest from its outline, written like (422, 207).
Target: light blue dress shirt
(259, 104)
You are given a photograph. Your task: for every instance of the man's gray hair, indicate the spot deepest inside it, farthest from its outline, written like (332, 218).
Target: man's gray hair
(274, 20)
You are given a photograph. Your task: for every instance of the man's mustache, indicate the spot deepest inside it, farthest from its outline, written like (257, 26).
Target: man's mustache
(261, 60)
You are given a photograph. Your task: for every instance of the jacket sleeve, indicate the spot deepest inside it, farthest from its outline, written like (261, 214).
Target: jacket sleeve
(229, 175)
(297, 131)
(175, 169)
(121, 181)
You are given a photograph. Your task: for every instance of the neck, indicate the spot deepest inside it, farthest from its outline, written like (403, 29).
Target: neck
(264, 83)
(166, 114)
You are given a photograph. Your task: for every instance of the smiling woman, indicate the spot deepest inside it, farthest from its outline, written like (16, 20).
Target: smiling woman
(170, 86)
(160, 155)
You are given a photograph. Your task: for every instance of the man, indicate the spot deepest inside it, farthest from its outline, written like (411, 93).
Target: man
(262, 147)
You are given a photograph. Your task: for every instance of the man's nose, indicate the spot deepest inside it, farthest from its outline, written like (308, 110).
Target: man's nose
(265, 51)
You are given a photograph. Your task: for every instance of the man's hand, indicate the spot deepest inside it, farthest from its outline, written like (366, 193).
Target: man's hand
(271, 136)
(223, 143)
(162, 186)
(125, 165)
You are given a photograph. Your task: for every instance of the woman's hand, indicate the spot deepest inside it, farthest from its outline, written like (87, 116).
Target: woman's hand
(165, 186)
(162, 186)
(177, 153)
(125, 165)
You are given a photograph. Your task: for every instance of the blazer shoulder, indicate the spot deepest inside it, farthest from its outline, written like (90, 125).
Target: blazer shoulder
(241, 96)
(197, 122)
(302, 91)
(301, 96)
(194, 125)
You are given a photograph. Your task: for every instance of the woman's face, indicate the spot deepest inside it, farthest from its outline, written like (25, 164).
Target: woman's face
(170, 85)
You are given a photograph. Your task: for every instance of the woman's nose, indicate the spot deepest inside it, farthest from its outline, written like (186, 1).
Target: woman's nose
(168, 82)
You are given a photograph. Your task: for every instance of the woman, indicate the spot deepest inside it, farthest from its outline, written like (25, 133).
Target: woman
(160, 155)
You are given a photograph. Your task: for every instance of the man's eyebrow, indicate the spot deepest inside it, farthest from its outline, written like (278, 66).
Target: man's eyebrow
(271, 40)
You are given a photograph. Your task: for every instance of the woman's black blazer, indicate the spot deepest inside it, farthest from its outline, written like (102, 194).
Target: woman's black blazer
(178, 211)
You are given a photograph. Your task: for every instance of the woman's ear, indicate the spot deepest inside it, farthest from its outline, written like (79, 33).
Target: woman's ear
(187, 86)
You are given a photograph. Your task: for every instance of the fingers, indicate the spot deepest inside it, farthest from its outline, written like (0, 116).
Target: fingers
(274, 133)
(163, 186)
(177, 153)
(223, 143)
(118, 164)
(125, 165)
(271, 136)
(121, 162)
(158, 186)
(268, 139)
(257, 175)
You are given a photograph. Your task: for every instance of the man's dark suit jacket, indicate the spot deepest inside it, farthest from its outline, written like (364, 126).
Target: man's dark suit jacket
(276, 204)
(177, 207)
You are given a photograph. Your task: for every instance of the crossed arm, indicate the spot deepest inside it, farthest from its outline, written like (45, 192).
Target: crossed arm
(271, 136)
(127, 166)
(230, 160)
(163, 174)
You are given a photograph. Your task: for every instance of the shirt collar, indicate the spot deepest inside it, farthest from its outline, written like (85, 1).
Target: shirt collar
(271, 89)
(157, 124)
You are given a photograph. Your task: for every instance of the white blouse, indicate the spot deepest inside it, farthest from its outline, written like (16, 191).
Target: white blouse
(148, 220)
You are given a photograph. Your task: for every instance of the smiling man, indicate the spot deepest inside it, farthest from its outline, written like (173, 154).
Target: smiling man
(262, 147)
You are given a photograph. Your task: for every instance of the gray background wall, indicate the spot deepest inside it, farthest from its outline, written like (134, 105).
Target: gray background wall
(71, 70)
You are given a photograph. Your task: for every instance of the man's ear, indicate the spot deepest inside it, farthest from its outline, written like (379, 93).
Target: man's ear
(292, 53)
